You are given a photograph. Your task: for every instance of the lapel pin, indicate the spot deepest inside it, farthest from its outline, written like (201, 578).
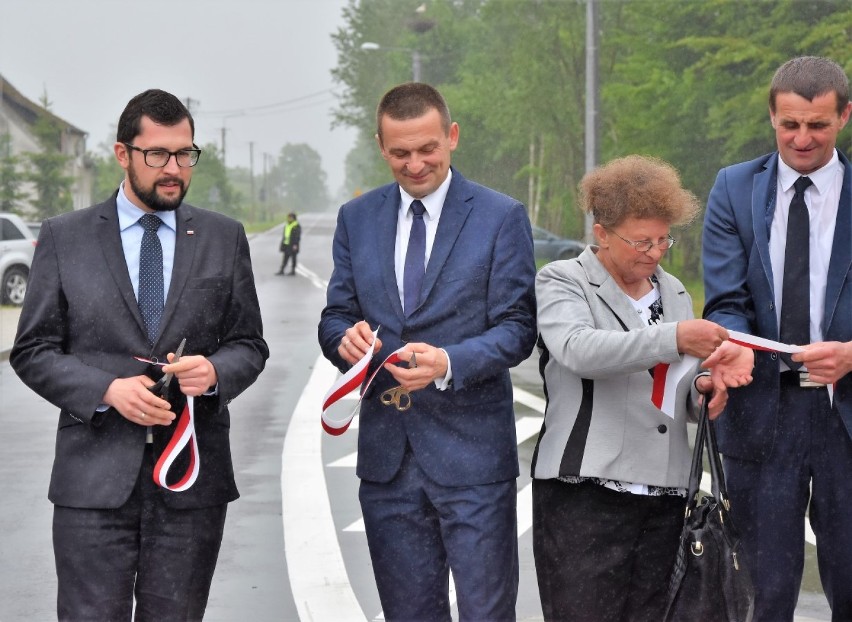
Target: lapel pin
(190, 232)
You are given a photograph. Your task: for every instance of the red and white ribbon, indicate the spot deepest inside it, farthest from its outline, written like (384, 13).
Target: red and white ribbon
(668, 375)
(767, 345)
(348, 382)
(759, 343)
(184, 435)
(666, 378)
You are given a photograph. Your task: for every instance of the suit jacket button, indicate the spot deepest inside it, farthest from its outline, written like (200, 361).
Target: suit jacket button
(662, 429)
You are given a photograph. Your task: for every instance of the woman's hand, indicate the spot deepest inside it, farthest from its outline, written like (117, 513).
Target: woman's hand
(719, 399)
(699, 337)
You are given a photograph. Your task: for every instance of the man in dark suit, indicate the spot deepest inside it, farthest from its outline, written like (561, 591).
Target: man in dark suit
(117, 534)
(438, 481)
(787, 437)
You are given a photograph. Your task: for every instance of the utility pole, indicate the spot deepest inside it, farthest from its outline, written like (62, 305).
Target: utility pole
(251, 179)
(191, 103)
(591, 97)
(223, 144)
(264, 189)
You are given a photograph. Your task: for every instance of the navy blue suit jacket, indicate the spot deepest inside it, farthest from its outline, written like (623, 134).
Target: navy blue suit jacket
(739, 295)
(478, 304)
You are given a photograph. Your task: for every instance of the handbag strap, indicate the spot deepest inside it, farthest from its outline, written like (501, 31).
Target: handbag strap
(697, 469)
(705, 435)
(719, 489)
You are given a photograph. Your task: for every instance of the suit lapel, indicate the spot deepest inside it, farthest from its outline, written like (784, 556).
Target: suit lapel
(454, 213)
(109, 240)
(185, 248)
(762, 211)
(608, 290)
(841, 249)
(386, 219)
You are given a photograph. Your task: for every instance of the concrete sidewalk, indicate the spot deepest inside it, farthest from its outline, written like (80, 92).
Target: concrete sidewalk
(8, 326)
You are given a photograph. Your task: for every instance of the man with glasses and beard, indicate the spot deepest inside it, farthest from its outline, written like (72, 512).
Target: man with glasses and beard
(121, 281)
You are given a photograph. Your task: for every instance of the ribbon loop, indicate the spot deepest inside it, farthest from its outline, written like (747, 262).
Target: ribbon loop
(348, 382)
(184, 435)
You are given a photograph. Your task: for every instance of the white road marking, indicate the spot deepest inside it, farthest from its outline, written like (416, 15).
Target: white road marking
(529, 400)
(318, 579)
(527, 427)
(348, 461)
(524, 509)
(313, 277)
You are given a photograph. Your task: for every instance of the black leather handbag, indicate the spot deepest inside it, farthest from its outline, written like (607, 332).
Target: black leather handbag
(709, 582)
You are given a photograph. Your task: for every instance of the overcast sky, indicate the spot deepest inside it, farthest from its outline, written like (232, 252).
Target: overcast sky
(260, 68)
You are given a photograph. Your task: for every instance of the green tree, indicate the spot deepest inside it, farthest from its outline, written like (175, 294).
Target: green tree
(211, 188)
(683, 81)
(688, 81)
(10, 176)
(520, 97)
(299, 179)
(107, 172)
(47, 168)
(501, 65)
(366, 74)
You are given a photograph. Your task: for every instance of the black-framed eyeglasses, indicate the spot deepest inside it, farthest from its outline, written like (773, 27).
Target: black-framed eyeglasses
(159, 158)
(643, 246)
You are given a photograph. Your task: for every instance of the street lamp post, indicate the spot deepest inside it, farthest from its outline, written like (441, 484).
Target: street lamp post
(592, 96)
(415, 56)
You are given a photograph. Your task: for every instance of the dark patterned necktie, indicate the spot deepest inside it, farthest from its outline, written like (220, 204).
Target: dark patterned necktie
(796, 291)
(151, 276)
(415, 259)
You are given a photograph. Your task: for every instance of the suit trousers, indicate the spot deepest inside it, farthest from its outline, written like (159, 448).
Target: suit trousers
(163, 557)
(603, 555)
(810, 465)
(417, 530)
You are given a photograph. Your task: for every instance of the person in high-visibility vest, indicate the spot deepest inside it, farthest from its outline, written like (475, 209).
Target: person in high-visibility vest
(290, 243)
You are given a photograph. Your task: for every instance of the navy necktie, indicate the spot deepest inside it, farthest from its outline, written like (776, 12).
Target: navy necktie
(796, 291)
(151, 276)
(415, 259)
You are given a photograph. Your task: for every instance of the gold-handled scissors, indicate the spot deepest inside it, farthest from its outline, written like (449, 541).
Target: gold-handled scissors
(398, 396)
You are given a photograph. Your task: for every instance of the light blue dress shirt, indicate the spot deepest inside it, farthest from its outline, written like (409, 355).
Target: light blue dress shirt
(131, 240)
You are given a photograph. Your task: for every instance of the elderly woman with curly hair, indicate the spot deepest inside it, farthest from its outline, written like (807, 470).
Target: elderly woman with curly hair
(610, 468)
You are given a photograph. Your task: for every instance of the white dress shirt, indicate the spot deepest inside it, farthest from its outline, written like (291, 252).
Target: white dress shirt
(822, 199)
(434, 204)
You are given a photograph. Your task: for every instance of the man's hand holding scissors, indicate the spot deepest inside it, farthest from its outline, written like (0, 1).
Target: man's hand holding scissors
(139, 399)
(426, 364)
(133, 401)
(195, 373)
